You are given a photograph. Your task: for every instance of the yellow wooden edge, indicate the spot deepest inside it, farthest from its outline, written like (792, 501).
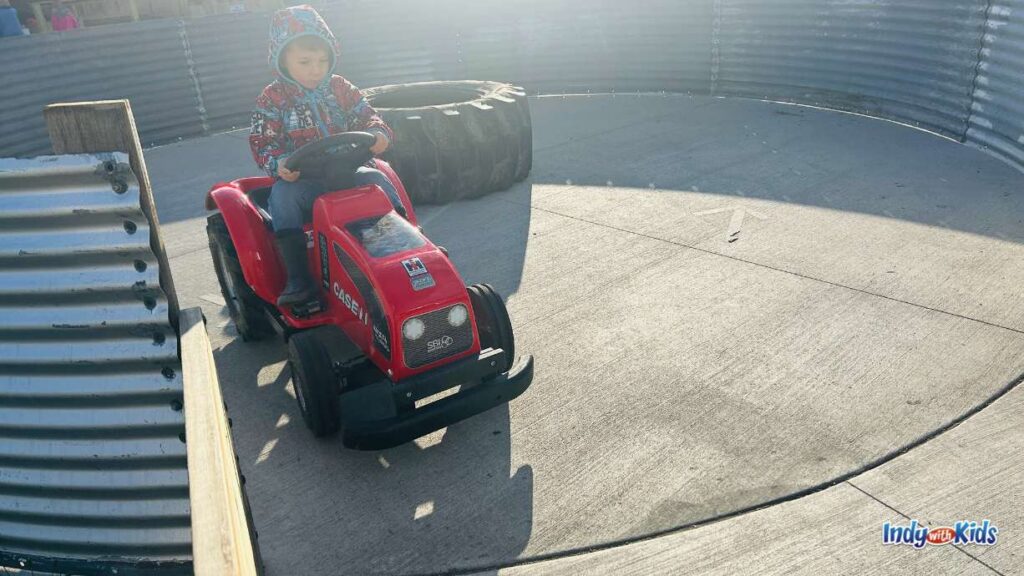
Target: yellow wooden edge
(221, 543)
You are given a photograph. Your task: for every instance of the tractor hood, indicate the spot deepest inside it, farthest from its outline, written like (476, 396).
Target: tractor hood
(407, 272)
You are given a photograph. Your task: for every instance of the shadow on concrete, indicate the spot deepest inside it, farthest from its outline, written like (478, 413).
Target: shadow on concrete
(485, 238)
(795, 154)
(451, 498)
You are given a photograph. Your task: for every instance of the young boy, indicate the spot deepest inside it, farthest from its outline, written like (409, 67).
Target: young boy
(305, 104)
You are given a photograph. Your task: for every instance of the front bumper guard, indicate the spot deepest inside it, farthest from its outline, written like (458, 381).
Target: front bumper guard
(383, 414)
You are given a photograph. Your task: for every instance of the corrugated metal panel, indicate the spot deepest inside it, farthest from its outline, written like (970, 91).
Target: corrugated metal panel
(142, 61)
(911, 61)
(579, 45)
(914, 61)
(92, 459)
(394, 41)
(230, 58)
(997, 113)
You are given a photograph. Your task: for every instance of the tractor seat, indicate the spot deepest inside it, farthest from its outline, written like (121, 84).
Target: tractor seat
(260, 198)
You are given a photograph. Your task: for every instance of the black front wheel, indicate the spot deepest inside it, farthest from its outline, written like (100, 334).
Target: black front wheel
(315, 383)
(492, 321)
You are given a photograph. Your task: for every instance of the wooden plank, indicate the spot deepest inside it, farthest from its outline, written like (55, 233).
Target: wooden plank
(109, 126)
(37, 11)
(221, 540)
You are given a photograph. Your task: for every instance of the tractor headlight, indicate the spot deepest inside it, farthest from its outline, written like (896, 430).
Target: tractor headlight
(458, 315)
(413, 329)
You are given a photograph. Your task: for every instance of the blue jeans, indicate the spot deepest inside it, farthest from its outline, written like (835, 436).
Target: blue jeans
(291, 201)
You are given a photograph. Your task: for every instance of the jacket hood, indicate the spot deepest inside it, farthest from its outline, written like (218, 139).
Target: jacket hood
(291, 23)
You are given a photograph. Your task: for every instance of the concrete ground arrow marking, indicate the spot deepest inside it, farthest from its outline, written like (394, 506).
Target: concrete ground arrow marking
(738, 213)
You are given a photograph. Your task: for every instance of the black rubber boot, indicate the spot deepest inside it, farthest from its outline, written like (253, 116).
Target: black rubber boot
(299, 288)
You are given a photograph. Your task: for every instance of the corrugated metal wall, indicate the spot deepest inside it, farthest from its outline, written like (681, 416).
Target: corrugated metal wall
(997, 113)
(395, 41)
(143, 62)
(92, 459)
(923, 62)
(912, 60)
(581, 45)
(229, 54)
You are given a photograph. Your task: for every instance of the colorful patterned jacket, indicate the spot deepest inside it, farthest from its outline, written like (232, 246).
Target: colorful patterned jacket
(288, 115)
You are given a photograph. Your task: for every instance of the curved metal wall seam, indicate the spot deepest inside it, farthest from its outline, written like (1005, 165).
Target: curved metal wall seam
(92, 459)
(716, 48)
(183, 33)
(229, 60)
(996, 122)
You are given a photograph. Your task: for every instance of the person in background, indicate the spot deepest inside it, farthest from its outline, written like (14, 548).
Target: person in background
(63, 18)
(33, 25)
(9, 23)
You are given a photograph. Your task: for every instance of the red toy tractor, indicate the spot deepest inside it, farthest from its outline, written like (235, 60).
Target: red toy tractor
(394, 324)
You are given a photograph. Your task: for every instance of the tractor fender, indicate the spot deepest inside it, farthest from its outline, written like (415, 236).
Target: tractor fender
(253, 241)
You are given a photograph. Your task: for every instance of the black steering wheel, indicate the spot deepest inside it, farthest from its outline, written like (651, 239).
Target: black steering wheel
(336, 156)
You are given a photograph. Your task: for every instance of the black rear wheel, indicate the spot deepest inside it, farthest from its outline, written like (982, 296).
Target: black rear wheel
(492, 321)
(244, 306)
(316, 385)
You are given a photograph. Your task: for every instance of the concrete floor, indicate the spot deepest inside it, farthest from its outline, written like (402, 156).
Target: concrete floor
(969, 472)
(729, 301)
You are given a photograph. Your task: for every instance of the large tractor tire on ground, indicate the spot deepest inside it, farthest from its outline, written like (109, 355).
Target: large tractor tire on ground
(456, 140)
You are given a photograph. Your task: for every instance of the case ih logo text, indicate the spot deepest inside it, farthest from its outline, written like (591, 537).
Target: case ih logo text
(919, 536)
(439, 344)
(351, 304)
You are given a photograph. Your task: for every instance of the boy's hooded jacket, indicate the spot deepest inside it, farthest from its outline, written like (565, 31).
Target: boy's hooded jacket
(288, 115)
